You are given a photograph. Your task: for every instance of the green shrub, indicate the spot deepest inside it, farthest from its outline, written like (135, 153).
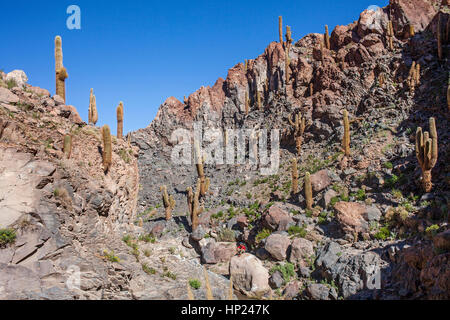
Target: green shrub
(382, 234)
(263, 234)
(7, 236)
(226, 235)
(147, 269)
(287, 270)
(195, 284)
(432, 230)
(388, 165)
(297, 231)
(111, 256)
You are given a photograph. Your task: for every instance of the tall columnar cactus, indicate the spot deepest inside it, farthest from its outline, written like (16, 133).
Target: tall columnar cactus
(390, 35)
(308, 191)
(61, 72)
(413, 77)
(168, 201)
(280, 28)
(67, 145)
(91, 95)
(311, 89)
(326, 38)
(204, 182)
(107, 148)
(120, 121)
(299, 125)
(246, 66)
(194, 204)
(258, 100)
(93, 114)
(288, 35)
(427, 153)
(346, 138)
(287, 64)
(294, 176)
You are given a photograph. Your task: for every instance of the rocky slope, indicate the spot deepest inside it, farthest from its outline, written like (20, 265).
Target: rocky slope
(372, 233)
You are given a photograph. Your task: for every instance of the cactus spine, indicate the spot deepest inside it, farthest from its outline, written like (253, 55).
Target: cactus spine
(67, 145)
(299, 126)
(61, 72)
(107, 148)
(327, 38)
(294, 176)
(427, 153)
(308, 191)
(280, 28)
(169, 202)
(194, 204)
(346, 139)
(120, 121)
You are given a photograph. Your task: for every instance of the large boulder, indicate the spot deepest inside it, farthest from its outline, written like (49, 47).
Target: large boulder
(351, 217)
(442, 241)
(277, 245)
(277, 219)
(18, 76)
(320, 180)
(249, 275)
(215, 252)
(7, 96)
(301, 251)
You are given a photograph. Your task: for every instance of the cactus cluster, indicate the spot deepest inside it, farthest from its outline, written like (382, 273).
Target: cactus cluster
(168, 201)
(61, 72)
(346, 138)
(427, 153)
(194, 204)
(299, 125)
(120, 121)
(107, 148)
(92, 113)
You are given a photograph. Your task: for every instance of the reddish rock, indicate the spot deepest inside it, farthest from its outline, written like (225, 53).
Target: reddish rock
(242, 221)
(39, 91)
(320, 180)
(340, 37)
(71, 113)
(215, 252)
(442, 241)
(7, 96)
(301, 251)
(276, 218)
(277, 245)
(350, 215)
(371, 21)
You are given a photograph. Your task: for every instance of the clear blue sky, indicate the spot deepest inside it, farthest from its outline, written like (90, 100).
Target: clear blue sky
(142, 52)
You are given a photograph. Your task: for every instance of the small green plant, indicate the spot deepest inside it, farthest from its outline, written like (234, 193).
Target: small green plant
(147, 269)
(383, 233)
(111, 256)
(263, 234)
(195, 284)
(170, 275)
(226, 235)
(287, 270)
(124, 155)
(432, 230)
(7, 236)
(146, 238)
(388, 165)
(297, 231)
(334, 200)
(11, 83)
